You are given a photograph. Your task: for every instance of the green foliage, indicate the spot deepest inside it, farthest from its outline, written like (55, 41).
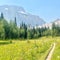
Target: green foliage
(47, 32)
(55, 30)
(23, 31)
(12, 31)
(6, 28)
(2, 31)
(29, 34)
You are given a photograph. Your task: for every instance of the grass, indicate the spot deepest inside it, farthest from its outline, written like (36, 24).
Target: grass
(5, 42)
(56, 54)
(35, 49)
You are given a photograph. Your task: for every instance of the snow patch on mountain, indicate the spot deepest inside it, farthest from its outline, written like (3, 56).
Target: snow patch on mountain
(11, 11)
(6, 8)
(49, 25)
(22, 12)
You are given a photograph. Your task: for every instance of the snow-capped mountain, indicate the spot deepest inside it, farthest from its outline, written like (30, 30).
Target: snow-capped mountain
(49, 25)
(10, 12)
(57, 21)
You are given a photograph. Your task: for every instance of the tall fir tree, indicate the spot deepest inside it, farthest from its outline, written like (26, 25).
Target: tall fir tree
(2, 16)
(15, 22)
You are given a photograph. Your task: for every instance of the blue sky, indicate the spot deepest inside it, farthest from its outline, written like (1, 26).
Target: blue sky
(49, 10)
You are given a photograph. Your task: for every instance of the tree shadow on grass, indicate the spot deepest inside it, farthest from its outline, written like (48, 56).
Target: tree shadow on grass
(5, 42)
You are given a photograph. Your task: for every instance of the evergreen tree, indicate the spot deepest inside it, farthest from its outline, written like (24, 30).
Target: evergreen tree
(53, 29)
(13, 30)
(6, 28)
(23, 31)
(2, 17)
(15, 21)
(2, 31)
(30, 33)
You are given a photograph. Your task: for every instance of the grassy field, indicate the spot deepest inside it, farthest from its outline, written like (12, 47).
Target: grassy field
(34, 49)
(56, 54)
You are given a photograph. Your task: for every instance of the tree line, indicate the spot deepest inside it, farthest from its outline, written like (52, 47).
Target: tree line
(10, 30)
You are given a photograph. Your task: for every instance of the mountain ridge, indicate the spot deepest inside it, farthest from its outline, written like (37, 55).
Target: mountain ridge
(12, 11)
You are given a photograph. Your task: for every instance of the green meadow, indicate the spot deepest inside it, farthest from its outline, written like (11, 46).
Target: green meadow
(30, 49)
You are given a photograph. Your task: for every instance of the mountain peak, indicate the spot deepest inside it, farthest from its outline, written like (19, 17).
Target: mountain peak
(11, 11)
(13, 7)
(57, 20)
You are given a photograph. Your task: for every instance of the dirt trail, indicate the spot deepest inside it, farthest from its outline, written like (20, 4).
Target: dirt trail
(51, 52)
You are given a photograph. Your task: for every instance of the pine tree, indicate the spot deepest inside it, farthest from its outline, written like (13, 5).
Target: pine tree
(2, 16)
(15, 22)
